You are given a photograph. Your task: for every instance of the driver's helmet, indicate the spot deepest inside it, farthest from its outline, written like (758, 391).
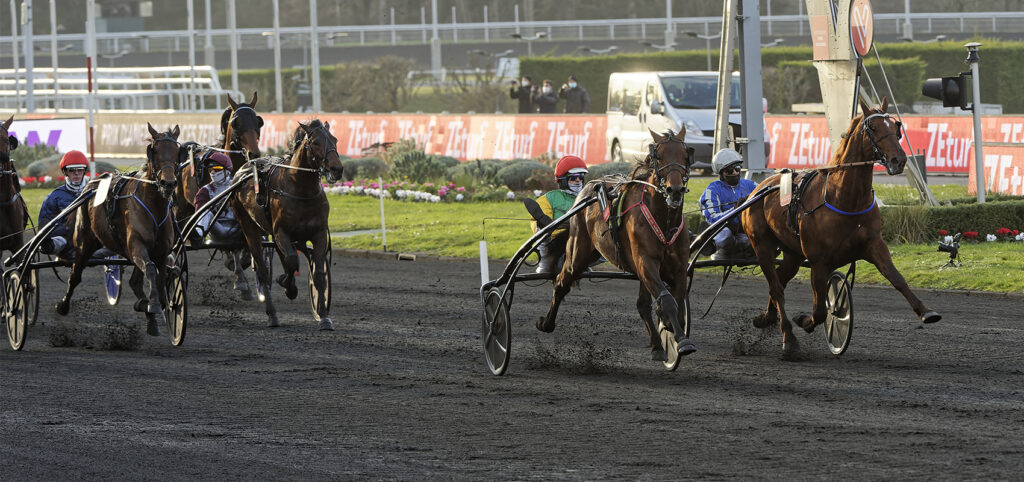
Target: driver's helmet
(570, 167)
(74, 161)
(219, 165)
(725, 158)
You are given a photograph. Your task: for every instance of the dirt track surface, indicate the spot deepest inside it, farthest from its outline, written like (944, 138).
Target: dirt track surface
(401, 391)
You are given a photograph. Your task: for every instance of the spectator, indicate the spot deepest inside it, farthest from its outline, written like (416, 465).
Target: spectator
(524, 92)
(546, 99)
(577, 100)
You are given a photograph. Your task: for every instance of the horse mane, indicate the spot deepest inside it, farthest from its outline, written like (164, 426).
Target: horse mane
(845, 146)
(224, 120)
(299, 135)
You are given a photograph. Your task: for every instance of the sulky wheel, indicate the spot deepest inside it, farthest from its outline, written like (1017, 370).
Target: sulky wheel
(177, 305)
(497, 332)
(838, 313)
(15, 310)
(112, 282)
(313, 292)
(32, 297)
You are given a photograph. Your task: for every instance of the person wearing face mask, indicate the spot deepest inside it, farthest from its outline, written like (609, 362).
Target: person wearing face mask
(224, 229)
(570, 172)
(723, 195)
(524, 92)
(74, 165)
(577, 100)
(546, 99)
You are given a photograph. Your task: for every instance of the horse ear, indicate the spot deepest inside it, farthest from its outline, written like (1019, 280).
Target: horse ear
(152, 131)
(7, 123)
(305, 128)
(259, 121)
(231, 102)
(885, 105)
(864, 107)
(689, 155)
(12, 142)
(175, 132)
(252, 101)
(327, 125)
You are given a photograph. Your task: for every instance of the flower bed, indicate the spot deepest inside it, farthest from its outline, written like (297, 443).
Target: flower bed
(421, 192)
(1001, 234)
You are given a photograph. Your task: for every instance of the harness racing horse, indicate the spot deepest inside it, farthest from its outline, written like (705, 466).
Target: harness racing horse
(136, 225)
(13, 211)
(241, 126)
(288, 202)
(650, 241)
(846, 230)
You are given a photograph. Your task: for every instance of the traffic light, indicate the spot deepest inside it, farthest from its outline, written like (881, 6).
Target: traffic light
(952, 91)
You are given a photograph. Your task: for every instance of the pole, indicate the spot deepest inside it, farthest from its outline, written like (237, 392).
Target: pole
(278, 96)
(15, 55)
(435, 43)
(26, 29)
(233, 31)
(90, 52)
(908, 28)
(208, 52)
(314, 46)
(191, 55)
(979, 158)
(707, 44)
(669, 28)
(383, 229)
(53, 53)
(487, 31)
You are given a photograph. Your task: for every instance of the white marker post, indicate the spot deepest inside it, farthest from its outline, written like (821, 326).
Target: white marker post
(383, 229)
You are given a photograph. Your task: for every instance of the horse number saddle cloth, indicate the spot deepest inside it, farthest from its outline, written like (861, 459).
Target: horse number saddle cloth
(796, 205)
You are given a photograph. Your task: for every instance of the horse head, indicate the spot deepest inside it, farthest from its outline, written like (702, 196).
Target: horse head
(321, 149)
(241, 127)
(668, 162)
(883, 135)
(162, 159)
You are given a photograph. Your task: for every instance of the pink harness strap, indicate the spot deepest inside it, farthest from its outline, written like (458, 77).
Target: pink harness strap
(654, 225)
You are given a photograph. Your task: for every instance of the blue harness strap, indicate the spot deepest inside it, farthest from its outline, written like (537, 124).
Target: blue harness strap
(847, 213)
(166, 215)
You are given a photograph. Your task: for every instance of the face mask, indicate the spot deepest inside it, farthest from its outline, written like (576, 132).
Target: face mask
(72, 185)
(547, 90)
(219, 176)
(526, 83)
(572, 85)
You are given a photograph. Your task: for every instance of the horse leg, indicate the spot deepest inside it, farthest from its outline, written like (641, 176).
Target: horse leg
(878, 255)
(578, 250)
(152, 288)
(667, 307)
(77, 267)
(136, 284)
(319, 273)
(678, 289)
(765, 252)
(289, 262)
(241, 284)
(255, 243)
(644, 305)
(819, 285)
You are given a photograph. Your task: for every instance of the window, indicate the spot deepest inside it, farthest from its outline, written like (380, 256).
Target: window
(698, 92)
(631, 100)
(615, 95)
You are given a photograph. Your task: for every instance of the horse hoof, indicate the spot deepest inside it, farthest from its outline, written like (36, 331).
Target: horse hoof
(685, 347)
(246, 295)
(283, 280)
(930, 317)
(273, 322)
(140, 305)
(658, 354)
(152, 327)
(544, 326)
(229, 263)
(291, 292)
(326, 325)
(805, 321)
(791, 351)
(761, 321)
(62, 308)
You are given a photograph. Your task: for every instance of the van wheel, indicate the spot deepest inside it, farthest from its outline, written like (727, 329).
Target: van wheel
(616, 152)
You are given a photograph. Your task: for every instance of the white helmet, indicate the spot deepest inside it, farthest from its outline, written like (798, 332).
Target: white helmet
(725, 158)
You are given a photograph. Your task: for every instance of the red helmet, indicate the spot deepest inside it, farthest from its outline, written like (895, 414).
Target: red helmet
(569, 164)
(74, 159)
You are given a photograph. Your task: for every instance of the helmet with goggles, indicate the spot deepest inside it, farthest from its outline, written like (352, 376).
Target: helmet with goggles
(74, 162)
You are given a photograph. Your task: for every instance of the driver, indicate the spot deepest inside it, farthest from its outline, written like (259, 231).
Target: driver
(723, 195)
(73, 165)
(224, 229)
(570, 172)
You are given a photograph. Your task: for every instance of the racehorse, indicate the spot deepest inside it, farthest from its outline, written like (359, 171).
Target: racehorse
(846, 230)
(288, 202)
(651, 239)
(136, 225)
(13, 211)
(241, 126)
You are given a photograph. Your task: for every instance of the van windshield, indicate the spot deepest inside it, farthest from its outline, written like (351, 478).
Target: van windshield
(698, 92)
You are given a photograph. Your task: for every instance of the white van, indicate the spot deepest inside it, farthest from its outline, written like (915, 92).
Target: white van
(642, 101)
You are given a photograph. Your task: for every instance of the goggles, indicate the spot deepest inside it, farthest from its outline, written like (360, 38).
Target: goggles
(74, 170)
(575, 177)
(731, 170)
(216, 167)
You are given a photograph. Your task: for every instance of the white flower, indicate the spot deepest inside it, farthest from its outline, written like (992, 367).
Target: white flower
(510, 196)
(435, 199)
(21, 181)
(537, 192)
(948, 240)
(990, 237)
(1019, 237)
(460, 197)
(47, 178)
(358, 189)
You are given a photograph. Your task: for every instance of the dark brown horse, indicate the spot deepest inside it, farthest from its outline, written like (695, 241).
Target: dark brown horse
(137, 225)
(241, 126)
(13, 211)
(652, 237)
(291, 205)
(838, 223)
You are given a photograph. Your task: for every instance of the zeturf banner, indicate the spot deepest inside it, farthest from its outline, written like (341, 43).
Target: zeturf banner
(1004, 170)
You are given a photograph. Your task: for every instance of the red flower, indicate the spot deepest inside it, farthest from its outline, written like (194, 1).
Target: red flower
(943, 232)
(28, 179)
(970, 234)
(1014, 232)
(1003, 231)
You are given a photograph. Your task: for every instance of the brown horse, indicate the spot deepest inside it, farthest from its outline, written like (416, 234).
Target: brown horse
(241, 126)
(652, 240)
(136, 224)
(291, 205)
(13, 211)
(838, 223)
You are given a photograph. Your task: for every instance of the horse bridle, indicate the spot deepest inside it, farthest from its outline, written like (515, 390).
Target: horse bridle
(234, 136)
(152, 148)
(661, 173)
(13, 172)
(308, 146)
(876, 152)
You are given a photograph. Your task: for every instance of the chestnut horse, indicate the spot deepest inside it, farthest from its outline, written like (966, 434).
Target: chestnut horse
(652, 240)
(291, 205)
(13, 211)
(138, 226)
(838, 223)
(240, 126)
